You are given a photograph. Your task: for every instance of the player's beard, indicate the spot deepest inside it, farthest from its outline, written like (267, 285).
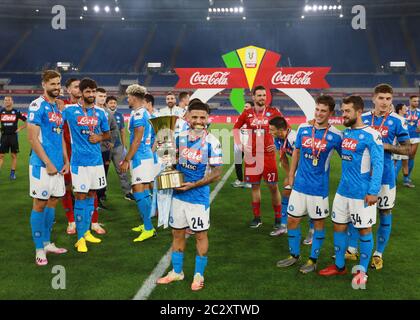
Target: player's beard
(170, 104)
(261, 103)
(349, 122)
(53, 93)
(89, 100)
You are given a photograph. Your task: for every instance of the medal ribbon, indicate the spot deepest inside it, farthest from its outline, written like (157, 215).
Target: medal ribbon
(320, 145)
(91, 128)
(383, 121)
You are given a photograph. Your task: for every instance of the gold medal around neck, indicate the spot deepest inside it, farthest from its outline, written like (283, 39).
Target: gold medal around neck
(412, 123)
(315, 162)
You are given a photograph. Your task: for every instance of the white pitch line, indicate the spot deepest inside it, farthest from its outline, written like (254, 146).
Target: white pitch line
(150, 283)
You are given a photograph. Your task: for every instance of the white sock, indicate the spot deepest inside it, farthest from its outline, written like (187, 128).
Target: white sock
(352, 250)
(378, 254)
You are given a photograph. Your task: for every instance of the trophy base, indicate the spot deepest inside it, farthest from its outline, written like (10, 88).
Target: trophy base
(170, 179)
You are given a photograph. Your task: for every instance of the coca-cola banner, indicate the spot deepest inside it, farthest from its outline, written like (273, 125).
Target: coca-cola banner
(229, 78)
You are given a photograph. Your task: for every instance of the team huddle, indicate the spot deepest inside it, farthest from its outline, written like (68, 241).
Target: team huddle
(368, 179)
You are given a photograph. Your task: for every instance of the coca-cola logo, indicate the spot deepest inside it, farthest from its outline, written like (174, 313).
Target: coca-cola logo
(298, 78)
(87, 121)
(307, 143)
(55, 117)
(191, 154)
(382, 130)
(217, 78)
(8, 117)
(349, 144)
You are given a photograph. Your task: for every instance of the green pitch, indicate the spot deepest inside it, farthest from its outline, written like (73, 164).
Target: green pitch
(241, 260)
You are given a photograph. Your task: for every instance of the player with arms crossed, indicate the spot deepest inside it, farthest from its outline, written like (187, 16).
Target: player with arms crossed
(309, 177)
(362, 157)
(88, 126)
(197, 150)
(413, 117)
(47, 165)
(259, 154)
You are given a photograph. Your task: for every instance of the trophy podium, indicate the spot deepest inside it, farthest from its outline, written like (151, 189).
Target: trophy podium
(166, 151)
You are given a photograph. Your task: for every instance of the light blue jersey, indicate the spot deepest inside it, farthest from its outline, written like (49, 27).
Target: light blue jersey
(140, 118)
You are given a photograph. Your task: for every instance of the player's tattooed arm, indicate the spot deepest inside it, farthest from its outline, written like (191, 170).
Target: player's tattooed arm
(293, 166)
(33, 134)
(403, 148)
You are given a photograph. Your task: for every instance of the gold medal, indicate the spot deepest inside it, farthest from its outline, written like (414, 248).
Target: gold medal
(58, 130)
(412, 123)
(315, 162)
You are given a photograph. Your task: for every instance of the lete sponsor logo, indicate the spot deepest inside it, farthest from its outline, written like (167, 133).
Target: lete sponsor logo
(307, 143)
(191, 154)
(55, 117)
(217, 78)
(87, 121)
(382, 130)
(8, 118)
(349, 144)
(300, 78)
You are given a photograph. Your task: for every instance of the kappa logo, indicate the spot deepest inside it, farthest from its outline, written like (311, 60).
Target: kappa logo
(370, 221)
(34, 192)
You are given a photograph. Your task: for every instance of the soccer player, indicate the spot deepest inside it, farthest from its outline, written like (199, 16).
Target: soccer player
(9, 118)
(140, 160)
(183, 100)
(309, 177)
(239, 154)
(259, 154)
(413, 116)
(88, 126)
(392, 127)
(197, 150)
(284, 140)
(47, 165)
(401, 161)
(118, 149)
(72, 86)
(171, 109)
(362, 157)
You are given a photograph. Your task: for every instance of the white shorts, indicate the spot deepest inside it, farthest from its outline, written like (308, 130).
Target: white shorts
(43, 186)
(386, 197)
(145, 172)
(415, 140)
(300, 204)
(186, 214)
(347, 210)
(399, 157)
(88, 178)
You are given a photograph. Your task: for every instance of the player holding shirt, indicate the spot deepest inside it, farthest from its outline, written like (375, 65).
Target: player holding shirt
(88, 126)
(9, 118)
(197, 150)
(140, 160)
(47, 165)
(309, 177)
(362, 157)
(392, 127)
(413, 116)
(260, 157)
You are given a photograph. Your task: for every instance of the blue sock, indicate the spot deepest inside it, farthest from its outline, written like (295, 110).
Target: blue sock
(311, 224)
(80, 217)
(406, 179)
(90, 207)
(398, 166)
(384, 231)
(177, 261)
(318, 239)
(294, 236)
(49, 222)
(38, 229)
(353, 235)
(144, 205)
(284, 205)
(200, 264)
(410, 167)
(366, 247)
(340, 247)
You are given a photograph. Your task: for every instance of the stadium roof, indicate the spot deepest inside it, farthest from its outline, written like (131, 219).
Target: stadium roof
(196, 10)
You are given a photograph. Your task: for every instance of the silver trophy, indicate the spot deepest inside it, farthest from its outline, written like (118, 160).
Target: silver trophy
(166, 151)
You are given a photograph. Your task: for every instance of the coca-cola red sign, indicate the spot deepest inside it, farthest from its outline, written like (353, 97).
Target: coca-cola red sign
(307, 143)
(8, 118)
(210, 78)
(349, 144)
(87, 121)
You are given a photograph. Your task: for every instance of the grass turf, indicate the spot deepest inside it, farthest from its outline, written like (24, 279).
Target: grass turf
(241, 260)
